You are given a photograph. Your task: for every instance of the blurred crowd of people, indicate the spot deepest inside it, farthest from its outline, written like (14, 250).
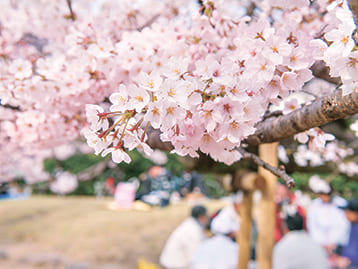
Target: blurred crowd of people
(320, 234)
(157, 187)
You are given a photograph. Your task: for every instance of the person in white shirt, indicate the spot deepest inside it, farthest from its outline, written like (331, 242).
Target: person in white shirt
(297, 250)
(326, 222)
(185, 239)
(220, 251)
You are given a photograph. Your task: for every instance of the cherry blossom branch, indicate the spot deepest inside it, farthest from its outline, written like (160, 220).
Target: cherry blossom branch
(353, 4)
(321, 70)
(16, 108)
(280, 172)
(148, 23)
(155, 142)
(319, 112)
(273, 129)
(72, 15)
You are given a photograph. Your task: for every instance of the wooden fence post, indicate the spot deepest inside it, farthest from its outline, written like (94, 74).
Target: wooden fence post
(248, 182)
(244, 235)
(266, 216)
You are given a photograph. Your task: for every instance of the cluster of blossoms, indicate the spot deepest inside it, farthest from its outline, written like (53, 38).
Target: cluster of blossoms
(338, 48)
(333, 152)
(204, 75)
(45, 81)
(204, 85)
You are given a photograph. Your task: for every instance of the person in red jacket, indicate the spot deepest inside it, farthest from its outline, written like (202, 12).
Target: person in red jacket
(283, 198)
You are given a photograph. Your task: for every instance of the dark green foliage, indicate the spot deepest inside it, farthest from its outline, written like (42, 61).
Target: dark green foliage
(173, 165)
(50, 165)
(341, 184)
(84, 188)
(212, 187)
(80, 162)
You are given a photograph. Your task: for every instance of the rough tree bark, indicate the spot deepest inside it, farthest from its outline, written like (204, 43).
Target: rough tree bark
(353, 4)
(319, 112)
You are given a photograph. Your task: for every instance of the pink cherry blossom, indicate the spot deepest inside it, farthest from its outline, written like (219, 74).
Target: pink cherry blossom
(92, 113)
(204, 78)
(118, 155)
(21, 69)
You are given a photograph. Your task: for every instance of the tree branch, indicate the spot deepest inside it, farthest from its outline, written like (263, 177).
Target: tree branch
(353, 4)
(321, 70)
(148, 23)
(72, 15)
(16, 108)
(154, 140)
(319, 112)
(280, 172)
(273, 129)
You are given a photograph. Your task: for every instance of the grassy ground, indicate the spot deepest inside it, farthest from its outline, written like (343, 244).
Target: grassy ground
(84, 230)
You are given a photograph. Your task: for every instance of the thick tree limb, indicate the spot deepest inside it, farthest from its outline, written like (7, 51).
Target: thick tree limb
(155, 142)
(319, 112)
(280, 172)
(353, 4)
(321, 70)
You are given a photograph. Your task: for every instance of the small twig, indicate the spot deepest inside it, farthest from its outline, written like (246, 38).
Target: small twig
(148, 23)
(250, 9)
(280, 172)
(72, 15)
(321, 32)
(16, 108)
(355, 36)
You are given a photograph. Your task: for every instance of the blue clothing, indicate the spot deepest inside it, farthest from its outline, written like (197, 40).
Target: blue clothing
(351, 250)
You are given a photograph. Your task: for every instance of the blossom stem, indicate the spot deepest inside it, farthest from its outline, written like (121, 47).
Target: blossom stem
(124, 129)
(145, 130)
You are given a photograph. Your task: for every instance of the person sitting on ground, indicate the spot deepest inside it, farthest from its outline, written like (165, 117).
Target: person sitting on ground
(326, 222)
(232, 209)
(184, 241)
(220, 251)
(349, 254)
(297, 250)
(283, 197)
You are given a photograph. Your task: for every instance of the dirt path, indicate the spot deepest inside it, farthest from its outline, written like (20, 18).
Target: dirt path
(84, 233)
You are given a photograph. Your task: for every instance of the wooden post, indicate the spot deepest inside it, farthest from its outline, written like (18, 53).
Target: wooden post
(248, 182)
(266, 216)
(244, 235)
